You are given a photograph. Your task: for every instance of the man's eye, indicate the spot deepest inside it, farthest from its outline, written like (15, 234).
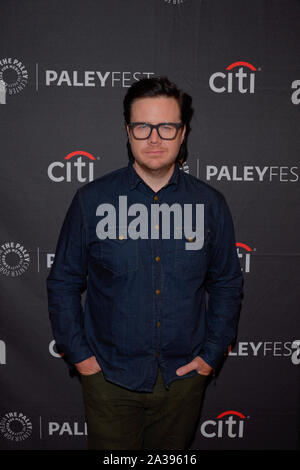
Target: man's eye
(142, 126)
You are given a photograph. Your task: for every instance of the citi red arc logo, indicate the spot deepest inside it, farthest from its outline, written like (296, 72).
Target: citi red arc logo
(79, 165)
(243, 245)
(227, 424)
(241, 63)
(242, 80)
(79, 152)
(226, 413)
(244, 255)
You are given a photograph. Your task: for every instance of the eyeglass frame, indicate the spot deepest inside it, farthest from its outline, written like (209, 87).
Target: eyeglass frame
(178, 125)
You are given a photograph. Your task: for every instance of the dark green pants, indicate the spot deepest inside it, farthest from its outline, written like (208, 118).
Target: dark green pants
(118, 418)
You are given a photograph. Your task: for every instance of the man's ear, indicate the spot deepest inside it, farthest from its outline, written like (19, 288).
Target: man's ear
(183, 133)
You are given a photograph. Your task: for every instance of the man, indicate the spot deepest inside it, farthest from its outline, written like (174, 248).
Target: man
(146, 341)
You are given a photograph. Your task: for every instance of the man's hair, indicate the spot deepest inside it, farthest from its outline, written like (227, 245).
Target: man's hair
(154, 87)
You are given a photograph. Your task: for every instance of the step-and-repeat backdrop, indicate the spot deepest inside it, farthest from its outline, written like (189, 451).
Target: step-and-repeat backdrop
(65, 66)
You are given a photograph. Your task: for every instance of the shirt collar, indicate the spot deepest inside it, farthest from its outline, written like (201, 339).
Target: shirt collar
(134, 179)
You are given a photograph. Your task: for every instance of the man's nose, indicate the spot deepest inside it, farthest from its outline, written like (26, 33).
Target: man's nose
(154, 137)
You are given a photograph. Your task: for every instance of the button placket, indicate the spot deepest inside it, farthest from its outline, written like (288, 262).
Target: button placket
(157, 283)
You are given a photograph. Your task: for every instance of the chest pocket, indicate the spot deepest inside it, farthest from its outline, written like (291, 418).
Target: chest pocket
(119, 255)
(193, 262)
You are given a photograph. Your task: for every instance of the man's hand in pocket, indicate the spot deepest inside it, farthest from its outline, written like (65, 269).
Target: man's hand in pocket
(88, 367)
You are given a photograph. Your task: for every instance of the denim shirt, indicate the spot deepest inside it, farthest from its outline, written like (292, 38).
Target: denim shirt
(149, 301)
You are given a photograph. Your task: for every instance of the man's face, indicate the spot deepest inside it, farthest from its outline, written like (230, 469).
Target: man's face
(155, 153)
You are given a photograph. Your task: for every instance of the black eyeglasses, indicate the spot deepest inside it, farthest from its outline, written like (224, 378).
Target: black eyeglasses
(165, 130)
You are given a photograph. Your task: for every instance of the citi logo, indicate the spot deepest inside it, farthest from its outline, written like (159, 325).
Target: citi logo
(53, 350)
(242, 80)
(78, 165)
(227, 424)
(244, 255)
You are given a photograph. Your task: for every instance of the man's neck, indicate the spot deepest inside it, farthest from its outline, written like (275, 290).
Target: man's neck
(156, 179)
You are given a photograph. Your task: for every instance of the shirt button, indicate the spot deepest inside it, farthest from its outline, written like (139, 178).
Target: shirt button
(158, 324)
(156, 197)
(157, 291)
(157, 258)
(157, 354)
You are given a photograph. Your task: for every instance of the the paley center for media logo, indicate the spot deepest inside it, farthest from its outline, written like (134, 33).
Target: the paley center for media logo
(14, 259)
(13, 77)
(15, 426)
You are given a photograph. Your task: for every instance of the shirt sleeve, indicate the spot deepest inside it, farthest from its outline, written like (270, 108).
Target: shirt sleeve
(66, 283)
(224, 285)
